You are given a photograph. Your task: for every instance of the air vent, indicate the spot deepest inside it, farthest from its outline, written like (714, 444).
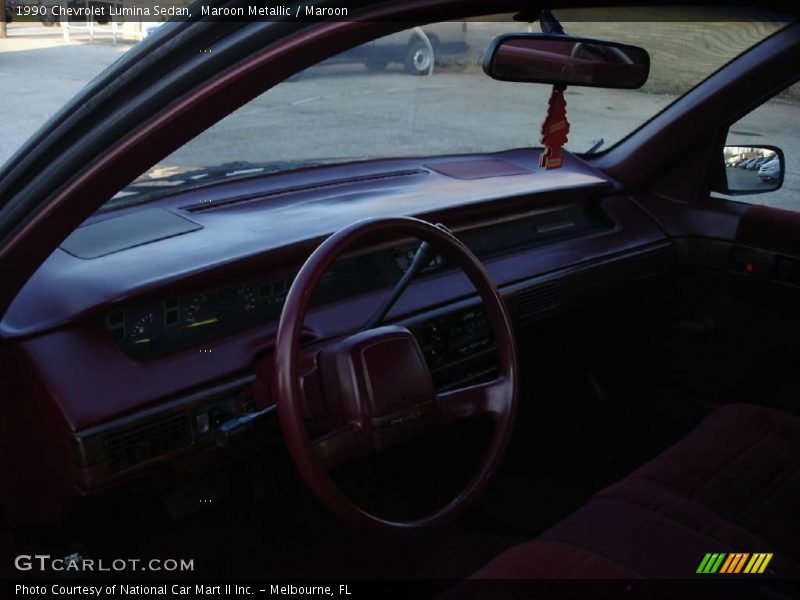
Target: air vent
(534, 301)
(140, 444)
(648, 264)
(211, 205)
(555, 295)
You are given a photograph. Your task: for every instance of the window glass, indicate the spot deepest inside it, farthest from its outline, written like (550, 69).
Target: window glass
(392, 98)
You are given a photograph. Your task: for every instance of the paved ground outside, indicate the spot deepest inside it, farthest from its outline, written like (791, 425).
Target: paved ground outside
(343, 111)
(39, 73)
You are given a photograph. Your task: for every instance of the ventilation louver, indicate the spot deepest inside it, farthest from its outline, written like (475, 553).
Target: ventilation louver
(140, 444)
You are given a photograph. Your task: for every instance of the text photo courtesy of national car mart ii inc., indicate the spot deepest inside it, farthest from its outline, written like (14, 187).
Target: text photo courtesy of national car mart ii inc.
(195, 590)
(118, 10)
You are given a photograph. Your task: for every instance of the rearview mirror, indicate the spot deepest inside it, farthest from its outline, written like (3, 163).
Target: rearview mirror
(566, 60)
(752, 169)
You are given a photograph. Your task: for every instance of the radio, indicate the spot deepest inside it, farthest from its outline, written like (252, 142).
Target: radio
(459, 348)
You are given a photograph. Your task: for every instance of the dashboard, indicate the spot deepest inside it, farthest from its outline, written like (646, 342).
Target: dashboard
(161, 337)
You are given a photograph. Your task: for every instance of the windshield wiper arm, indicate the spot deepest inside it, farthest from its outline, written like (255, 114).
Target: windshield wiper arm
(595, 146)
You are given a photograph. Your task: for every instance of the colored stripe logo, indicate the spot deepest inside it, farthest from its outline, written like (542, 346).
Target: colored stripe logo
(734, 563)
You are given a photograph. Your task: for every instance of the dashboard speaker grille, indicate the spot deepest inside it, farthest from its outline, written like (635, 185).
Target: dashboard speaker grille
(134, 446)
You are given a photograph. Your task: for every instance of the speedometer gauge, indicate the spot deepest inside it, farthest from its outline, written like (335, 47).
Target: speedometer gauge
(143, 329)
(197, 312)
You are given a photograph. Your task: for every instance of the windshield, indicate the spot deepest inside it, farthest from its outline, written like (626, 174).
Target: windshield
(422, 92)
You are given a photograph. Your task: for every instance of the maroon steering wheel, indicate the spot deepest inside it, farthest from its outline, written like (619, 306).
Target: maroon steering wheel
(380, 384)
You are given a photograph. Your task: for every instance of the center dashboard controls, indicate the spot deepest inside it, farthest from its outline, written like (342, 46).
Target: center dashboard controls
(458, 347)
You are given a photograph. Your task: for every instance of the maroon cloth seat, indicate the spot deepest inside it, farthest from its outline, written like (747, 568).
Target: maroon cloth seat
(732, 485)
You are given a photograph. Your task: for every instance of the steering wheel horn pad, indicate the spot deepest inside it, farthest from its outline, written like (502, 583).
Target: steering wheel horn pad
(380, 379)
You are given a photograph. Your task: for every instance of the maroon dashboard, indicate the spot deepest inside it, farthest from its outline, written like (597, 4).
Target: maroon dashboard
(150, 326)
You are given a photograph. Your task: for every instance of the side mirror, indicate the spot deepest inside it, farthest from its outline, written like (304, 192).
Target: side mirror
(566, 60)
(752, 170)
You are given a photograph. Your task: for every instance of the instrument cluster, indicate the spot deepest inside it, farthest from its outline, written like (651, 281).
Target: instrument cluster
(154, 327)
(151, 328)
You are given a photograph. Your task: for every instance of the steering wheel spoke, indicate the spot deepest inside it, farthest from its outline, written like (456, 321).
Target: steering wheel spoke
(488, 398)
(342, 445)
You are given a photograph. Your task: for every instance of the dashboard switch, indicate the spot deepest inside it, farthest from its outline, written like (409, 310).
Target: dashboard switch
(201, 421)
(215, 417)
